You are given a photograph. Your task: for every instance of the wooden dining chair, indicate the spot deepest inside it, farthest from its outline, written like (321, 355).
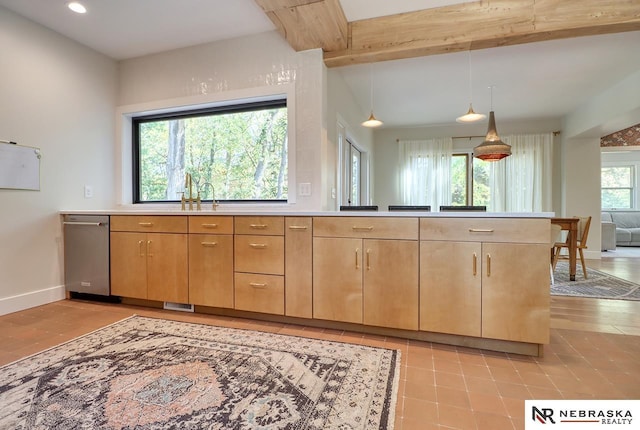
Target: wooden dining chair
(555, 235)
(583, 233)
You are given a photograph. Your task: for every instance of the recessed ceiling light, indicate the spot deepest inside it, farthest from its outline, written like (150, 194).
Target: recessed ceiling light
(77, 7)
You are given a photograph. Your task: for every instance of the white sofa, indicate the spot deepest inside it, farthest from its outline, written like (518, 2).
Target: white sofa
(626, 225)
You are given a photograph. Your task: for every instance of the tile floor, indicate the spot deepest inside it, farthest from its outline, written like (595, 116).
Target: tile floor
(594, 354)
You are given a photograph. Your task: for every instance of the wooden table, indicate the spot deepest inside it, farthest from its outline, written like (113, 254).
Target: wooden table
(571, 226)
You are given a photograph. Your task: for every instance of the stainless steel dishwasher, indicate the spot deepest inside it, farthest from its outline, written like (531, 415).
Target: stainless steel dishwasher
(86, 254)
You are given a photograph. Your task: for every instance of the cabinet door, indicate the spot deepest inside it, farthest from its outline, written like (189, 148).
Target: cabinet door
(515, 292)
(391, 283)
(211, 270)
(337, 279)
(298, 267)
(129, 265)
(167, 268)
(450, 287)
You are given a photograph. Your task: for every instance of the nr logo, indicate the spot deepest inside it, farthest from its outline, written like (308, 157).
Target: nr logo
(542, 415)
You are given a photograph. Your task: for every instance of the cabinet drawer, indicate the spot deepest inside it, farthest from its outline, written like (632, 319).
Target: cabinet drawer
(267, 225)
(211, 224)
(521, 230)
(149, 223)
(259, 293)
(259, 254)
(366, 227)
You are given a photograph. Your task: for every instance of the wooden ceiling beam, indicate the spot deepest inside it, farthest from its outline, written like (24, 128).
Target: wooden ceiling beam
(309, 24)
(480, 25)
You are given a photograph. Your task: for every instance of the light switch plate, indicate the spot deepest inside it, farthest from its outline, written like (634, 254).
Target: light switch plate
(88, 191)
(304, 189)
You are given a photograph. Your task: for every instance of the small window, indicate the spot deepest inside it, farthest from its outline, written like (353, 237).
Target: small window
(233, 153)
(617, 187)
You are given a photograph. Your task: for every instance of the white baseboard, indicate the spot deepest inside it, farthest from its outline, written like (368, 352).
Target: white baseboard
(31, 299)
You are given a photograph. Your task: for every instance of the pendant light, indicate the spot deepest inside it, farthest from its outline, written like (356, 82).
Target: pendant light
(372, 121)
(470, 116)
(492, 149)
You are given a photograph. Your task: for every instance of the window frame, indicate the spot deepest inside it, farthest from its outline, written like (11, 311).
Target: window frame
(236, 106)
(633, 188)
(468, 163)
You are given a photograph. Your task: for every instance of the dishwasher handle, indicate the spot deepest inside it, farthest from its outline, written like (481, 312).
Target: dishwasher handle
(94, 224)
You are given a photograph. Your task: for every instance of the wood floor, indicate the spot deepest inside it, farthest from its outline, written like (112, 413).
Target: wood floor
(594, 353)
(605, 316)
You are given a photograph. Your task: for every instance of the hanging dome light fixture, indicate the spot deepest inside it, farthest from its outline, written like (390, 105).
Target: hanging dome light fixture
(372, 122)
(471, 115)
(492, 149)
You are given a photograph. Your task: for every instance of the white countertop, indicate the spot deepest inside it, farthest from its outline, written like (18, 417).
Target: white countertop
(290, 212)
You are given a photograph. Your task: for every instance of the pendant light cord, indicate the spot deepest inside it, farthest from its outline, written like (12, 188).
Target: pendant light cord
(470, 86)
(371, 86)
(491, 95)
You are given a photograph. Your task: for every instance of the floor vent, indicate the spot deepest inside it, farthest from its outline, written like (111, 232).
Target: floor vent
(178, 307)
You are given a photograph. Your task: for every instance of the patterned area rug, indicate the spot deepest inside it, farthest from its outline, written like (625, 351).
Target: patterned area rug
(597, 285)
(146, 373)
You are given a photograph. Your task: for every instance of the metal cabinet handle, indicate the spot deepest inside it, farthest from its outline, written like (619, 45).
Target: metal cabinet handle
(257, 285)
(258, 245)
(488, 265)
(93, 224)
(141, 248)
(297, 227)
(480, 230)
(258, 226)
(210, 225)
(356, 228)
(145, 224)
(149, 253)
(357, 264)
(475, 264)
(209, 244)
(368, 260)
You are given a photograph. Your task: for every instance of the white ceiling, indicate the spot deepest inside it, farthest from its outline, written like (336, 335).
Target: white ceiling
(532, 81)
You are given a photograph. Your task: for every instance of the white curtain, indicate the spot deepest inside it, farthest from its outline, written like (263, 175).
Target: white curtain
(522, 181)
(425, 171)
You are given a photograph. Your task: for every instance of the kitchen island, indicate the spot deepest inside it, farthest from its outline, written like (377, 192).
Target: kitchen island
(474, 279)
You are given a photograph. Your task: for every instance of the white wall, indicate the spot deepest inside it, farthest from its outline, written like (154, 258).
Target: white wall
(231, 68)
(342, 108)
(59, 96)
(614, 109)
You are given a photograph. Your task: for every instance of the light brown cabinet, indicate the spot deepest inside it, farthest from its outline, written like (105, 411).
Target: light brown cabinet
(149, 258)
(483, 278)
(491, 282)
(515, 292)
(298, 267)
(451, 287)
(259, 264)
(368, 276)
(337, 279)
(211, 261)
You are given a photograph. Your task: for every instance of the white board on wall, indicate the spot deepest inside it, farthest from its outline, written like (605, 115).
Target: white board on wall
(19, 167)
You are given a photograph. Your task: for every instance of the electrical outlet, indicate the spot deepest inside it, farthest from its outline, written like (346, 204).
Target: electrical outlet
(305, 189)
(88, 191)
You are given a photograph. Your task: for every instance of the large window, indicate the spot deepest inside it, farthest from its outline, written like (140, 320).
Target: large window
(433, 174)
(233, 153)
(617, 187)
(469, 180)
(460, 164)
